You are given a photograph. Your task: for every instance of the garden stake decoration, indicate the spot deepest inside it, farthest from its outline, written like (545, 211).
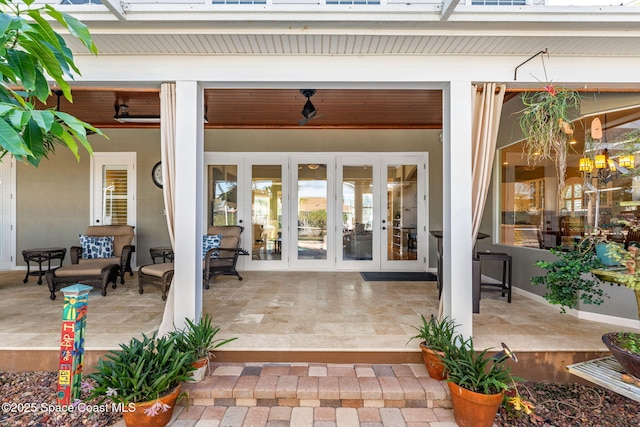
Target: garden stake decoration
(74, 315)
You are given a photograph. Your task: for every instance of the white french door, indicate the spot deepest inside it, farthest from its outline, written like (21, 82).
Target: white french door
(113, 189)
(321, 211)
(7, 209)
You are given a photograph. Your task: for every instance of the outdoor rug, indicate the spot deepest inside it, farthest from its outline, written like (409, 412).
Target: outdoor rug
(398, 276)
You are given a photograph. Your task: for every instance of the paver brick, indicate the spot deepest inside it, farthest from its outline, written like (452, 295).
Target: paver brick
(207, 423)
(275, 370)
(370, 388)
(307, 388)
(302, 417)
(412, 388)
(418, 415)
(349, 387)
(341, 371)
(228, 370)
(193, 412)
(266, 387)
(369, 415)
(391, 389)
(287, 386)
(252, 370)
(402, 371)
(365, 371)
(310, 402)
(392, 417)
(280, 413)
(288, 402)
(224, 401)
(333, 403)
(347, 417)
(328, 388)
(383, 371)
(245, 386)
(257, 416)
(246, 402)
(224, 387)
(434, 389)
(324, 414)
(352, 403)
(214, 412)
(317, 371)
(234, 416)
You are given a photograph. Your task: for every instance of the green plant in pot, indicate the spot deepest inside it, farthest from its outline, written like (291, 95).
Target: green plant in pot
(435, 336)
(569, 278)
(200, 340)
(625, 347)
(144, 376)
(478, 382)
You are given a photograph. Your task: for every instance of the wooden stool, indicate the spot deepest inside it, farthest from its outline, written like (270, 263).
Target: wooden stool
(157, 274)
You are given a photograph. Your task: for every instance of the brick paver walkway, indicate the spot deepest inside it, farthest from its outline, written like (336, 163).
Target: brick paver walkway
(316, 395)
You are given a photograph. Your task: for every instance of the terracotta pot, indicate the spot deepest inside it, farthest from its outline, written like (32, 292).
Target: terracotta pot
(472, 409)
(433, 363)
(201, 366)
(630, 362)
(137, 417)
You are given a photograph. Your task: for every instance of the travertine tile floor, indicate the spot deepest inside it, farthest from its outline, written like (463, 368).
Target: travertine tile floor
(292, 311)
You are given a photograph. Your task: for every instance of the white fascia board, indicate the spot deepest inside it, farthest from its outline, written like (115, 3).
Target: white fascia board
(582, 14)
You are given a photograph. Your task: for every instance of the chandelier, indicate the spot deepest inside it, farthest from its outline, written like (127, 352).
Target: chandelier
(604, 167)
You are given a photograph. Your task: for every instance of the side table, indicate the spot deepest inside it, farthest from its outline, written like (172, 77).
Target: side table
(41, 255)
(164, 252)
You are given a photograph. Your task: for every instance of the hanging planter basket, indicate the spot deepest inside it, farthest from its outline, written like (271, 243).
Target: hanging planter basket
(546, 125)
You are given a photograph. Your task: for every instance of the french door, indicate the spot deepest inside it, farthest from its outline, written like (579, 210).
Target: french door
(321, 211)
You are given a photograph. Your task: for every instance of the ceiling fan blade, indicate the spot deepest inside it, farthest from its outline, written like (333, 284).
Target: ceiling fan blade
(303, 122)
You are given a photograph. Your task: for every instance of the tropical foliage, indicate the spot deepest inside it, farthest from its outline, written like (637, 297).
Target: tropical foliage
(31, 53)
(569, 279)
(142, 370)
(435, 334)
(546, 126)
(199, 338)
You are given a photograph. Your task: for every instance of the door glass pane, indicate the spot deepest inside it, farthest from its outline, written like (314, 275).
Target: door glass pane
(357, 212)
(312, 211)
(114, 194)
(402, 203)
(266, 212)
(223, 195)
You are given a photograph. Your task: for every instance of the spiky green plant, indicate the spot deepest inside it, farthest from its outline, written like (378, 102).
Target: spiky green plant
(476, 371)
(142, 370)
(199, 338)
(435, 334)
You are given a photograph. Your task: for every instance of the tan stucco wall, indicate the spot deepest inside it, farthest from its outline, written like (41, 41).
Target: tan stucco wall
(53, 199)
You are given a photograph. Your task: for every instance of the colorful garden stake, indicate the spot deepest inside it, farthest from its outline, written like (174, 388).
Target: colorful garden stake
(74, 314)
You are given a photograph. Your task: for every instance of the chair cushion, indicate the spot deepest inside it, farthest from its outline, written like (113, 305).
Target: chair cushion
(123, 235)
(211, 241)
(84, 269)
(156, 270)
(96, 247)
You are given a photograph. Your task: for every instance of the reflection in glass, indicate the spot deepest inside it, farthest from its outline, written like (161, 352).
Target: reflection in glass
(402, 212)
(114, 195)
(266, 212)
(312, 211)
(223, 195)
(357, 212)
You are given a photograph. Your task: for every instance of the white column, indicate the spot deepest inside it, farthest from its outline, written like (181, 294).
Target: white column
(457, 245)
(188, 201)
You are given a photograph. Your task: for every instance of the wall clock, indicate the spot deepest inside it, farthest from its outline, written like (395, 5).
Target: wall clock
(156, 174)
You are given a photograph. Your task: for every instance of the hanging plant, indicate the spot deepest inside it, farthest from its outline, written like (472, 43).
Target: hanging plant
(546, 126)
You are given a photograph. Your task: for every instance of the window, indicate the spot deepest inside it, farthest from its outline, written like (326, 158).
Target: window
(534, 214)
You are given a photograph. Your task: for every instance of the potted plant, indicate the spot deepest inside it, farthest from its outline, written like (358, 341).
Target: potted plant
(625, 347)
(546, 126)
(144, 377)
(199, 339)
(478, 382)
(569, 278)
(434, 337)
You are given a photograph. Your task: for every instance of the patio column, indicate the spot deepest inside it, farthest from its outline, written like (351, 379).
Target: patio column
(188, 217)
(457, 245)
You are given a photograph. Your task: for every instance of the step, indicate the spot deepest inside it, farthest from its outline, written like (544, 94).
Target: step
(319, 385)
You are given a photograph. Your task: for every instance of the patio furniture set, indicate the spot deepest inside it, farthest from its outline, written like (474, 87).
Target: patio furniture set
(105, 254)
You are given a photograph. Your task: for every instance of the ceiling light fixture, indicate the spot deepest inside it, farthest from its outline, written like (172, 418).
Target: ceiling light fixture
(123, 116)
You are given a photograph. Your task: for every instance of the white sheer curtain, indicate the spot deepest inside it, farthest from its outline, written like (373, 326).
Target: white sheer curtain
(167, 156)
(487, 108)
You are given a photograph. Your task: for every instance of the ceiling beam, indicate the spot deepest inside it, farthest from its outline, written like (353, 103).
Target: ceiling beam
(447, 8)
(115, 7)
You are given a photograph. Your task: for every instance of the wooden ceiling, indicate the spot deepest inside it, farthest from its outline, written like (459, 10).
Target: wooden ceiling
(271, 108)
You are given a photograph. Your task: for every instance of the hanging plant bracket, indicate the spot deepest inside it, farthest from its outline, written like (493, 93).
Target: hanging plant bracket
(515, 72)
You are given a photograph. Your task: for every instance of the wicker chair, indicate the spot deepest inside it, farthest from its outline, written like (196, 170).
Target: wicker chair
(222, 261)
(157, 274)
(122, 247)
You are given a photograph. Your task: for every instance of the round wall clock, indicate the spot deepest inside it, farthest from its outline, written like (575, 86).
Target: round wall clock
(156, 174)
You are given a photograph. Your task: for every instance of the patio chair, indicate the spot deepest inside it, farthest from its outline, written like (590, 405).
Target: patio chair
(107, 244)
(222, 259)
